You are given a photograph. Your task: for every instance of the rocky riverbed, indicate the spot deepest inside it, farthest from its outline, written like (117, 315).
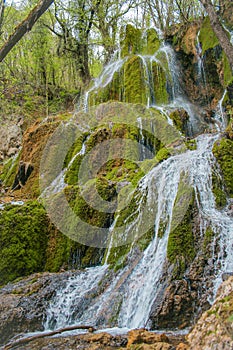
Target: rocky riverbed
(23, 308)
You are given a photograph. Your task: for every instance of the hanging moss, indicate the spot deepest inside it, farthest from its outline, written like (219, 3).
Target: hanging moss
(152, 42)
(180, 248)
(223, 151)
(218, 191)
(131, 42)
(9, 170)
(207, 36)
(159, 80)
(134, 83)
(23, 240)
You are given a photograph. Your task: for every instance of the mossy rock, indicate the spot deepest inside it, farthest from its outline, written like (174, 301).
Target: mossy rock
(152, 42)
(160, 84)
(65, 253)
(131, 41)
(207, 37)
(163, 154)
(218, 191)
(180, 119)
(134, 82)
(9, 171)
(23, 240)
(223, 151)
(181, 248)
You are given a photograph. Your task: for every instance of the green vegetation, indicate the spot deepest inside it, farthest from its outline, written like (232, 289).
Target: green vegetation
(207, 36)
(223, 151)
(181, 249)
(8, 171)
(23, 240)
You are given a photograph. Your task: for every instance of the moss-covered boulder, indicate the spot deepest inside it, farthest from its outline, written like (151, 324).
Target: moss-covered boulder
(23, 240)
(223, 151)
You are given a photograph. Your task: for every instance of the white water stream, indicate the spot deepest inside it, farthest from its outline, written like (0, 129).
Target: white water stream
(135, 288)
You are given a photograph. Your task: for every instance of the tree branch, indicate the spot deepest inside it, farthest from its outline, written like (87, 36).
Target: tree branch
(47, 334)
(219, 30)
(24, 27)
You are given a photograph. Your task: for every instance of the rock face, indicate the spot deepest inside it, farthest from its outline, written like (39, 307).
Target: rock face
(23, 304)
(10, 139)
(214, 329)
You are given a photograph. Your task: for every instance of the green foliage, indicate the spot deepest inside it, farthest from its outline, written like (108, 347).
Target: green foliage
(23, 240)
(223, 151)
(207, 36)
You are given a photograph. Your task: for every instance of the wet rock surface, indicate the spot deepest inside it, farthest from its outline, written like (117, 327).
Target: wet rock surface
(23, 304)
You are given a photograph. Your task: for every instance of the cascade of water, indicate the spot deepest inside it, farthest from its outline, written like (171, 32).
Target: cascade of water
(221, 122)
(58, 183)
(201, 76)
(139, 287)
(174, 86)
(74, 298)
(104, 78)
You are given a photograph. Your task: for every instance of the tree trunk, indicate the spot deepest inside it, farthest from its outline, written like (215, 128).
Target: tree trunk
(219, 30)
(2, 8)
(24, 27)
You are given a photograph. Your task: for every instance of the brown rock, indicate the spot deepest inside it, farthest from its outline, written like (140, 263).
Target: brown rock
(214, 329)
(182, 346)
(156, 346)
(138, 336)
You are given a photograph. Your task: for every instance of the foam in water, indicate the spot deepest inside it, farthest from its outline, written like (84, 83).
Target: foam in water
(137, 288)
(129, 296)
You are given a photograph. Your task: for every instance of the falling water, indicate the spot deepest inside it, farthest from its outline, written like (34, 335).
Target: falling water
(138, 287)
(134, 289)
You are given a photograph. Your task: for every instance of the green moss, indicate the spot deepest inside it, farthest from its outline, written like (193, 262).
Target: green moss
(191, 144)
(131, 41)
(207, 36)
(209, 234)
(180, 118)
(134, 83)
(118, 256)
(180, 248)
(152, 42)
(160, 83)
(9, 171)
(223, 151)
(218, 191)
(145, 240)
(228, 77)
(75, 149)
(23, 240)
(163, 154)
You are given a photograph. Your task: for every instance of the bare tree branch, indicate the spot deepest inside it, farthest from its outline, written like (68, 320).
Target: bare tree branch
(24, 27)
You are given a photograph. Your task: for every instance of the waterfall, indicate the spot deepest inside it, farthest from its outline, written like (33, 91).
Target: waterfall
(135, 288)
(98, 295)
